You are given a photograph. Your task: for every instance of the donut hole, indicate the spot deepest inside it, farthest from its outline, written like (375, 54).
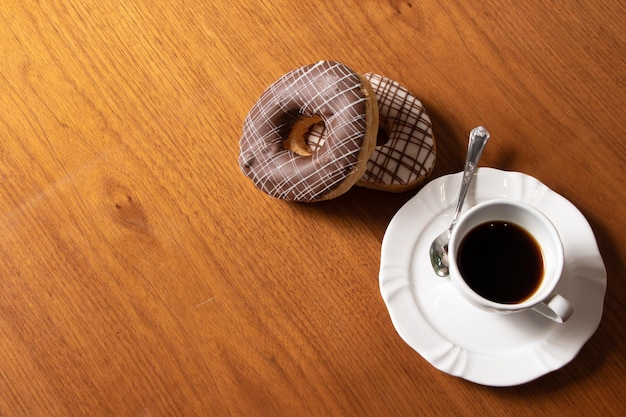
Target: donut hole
(306, 135)
(315, 136)
(382, 137)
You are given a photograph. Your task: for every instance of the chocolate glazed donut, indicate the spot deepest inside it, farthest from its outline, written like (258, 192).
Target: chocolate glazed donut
(274, 152)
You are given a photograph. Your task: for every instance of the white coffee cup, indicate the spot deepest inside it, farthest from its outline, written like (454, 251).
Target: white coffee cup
(506, 256)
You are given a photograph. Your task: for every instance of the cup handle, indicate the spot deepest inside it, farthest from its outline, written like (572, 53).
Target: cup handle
(556, 308)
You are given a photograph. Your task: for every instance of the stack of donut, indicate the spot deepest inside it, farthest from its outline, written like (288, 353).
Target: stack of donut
(322, 128)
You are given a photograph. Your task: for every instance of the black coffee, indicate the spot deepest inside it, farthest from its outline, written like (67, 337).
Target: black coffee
(501, 261)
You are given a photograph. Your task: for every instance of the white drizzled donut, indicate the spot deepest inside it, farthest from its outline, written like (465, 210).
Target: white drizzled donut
(326, 97)
(405, 152)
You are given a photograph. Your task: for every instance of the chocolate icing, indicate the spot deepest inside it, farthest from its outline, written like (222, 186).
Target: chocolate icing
(407, 156)
(327, 89)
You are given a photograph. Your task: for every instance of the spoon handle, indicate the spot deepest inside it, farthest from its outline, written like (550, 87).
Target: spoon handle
(477, 140)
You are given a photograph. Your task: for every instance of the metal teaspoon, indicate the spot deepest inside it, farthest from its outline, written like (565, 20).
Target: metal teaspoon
(439, 248)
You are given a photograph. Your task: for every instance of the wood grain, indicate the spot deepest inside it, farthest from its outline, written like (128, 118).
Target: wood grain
(142, 274)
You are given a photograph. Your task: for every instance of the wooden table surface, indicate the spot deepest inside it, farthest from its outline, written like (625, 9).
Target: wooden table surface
(142, 274)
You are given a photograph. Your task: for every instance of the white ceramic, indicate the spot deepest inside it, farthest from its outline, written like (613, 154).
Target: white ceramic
(544, 300)
(461, 339)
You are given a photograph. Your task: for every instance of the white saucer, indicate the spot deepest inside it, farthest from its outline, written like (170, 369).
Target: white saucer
(458, 338)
